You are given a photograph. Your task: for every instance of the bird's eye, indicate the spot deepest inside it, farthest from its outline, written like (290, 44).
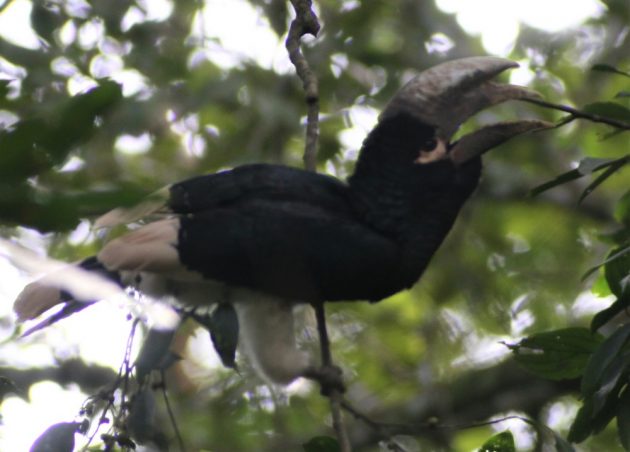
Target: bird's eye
(432, 150)
(430, 144)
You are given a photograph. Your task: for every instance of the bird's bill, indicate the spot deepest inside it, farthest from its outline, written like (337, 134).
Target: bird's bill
(445, 96)
(480, 141)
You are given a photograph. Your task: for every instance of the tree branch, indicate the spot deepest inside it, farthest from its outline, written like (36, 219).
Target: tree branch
(575, 114)
(435, 415)
(89, 377)
(335, 396)
(306, 22)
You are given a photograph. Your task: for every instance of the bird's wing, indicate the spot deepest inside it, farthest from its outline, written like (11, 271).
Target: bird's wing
(290, 249)
(225, 188)
(261, 181)
(284, 231)
(217, 226)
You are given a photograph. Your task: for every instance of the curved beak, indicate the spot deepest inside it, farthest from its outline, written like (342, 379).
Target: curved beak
(445, 96)
(481, 141)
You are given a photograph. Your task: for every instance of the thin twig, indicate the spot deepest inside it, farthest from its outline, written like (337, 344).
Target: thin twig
(171, 414)
(388, 430)
(336, 398)
(306, 22)
(123, 376)
(380, 428)
(575, 113)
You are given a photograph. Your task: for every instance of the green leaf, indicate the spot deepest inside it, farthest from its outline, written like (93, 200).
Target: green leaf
(620, 252)
(602, 317)
(618, 236)
(224, 333)
(561, 179)
(609, 68)
(587, 422)
(557, 355)
(600, 361)
(60, 210)
(581, 428)
(622, 209)
(277, 14)
(23, 151)
(613, 167)
(76, 121)
(45, 19)
(623, 418)
(609, 382)
(589, 165)
(610, 110)
(602, 418)
(586, 166)
(321, 444)
(617, 273)
(4, 88)
(7, 386)
(34, 145)
(501, 442)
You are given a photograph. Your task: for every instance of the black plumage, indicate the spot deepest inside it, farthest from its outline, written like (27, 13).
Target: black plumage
(310, 237)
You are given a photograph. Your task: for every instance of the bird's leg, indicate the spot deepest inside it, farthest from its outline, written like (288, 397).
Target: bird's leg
(328, 375)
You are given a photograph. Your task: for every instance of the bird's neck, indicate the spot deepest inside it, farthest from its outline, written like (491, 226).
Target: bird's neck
(413, 204)
(391, 191)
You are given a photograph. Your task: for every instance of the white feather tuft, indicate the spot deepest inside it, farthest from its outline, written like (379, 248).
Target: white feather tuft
(40, 295)
(150, 248)
(36, 298)
(268, 338)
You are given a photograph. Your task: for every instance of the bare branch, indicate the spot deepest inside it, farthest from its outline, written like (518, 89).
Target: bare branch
(89, 377)
(335, 396)
(171, 414)
(441, 411)
(575, 114)
(306, 22)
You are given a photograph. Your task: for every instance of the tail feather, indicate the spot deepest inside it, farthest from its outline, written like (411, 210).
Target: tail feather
(35, 299)
(71, 307)
(42, 295)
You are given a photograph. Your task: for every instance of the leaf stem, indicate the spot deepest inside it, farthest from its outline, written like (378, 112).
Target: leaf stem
(575, 114)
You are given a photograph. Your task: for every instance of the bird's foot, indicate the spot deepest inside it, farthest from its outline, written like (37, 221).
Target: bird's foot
(329, 378)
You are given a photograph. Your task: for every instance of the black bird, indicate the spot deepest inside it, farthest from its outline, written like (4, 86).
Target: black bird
(274, 236)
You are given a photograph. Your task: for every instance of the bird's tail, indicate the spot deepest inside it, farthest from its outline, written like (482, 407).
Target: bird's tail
(44, 294)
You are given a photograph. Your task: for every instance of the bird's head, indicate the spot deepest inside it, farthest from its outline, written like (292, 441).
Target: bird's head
(443, 97)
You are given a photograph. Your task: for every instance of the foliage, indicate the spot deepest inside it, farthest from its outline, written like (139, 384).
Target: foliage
(501, 442)
(514, 270)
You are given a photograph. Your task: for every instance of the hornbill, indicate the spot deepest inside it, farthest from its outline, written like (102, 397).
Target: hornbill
(274, 236)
